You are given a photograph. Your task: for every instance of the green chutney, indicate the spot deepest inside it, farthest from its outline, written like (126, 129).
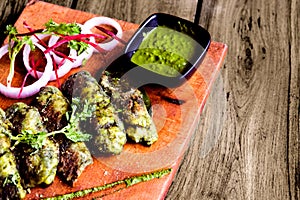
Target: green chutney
(165, 51)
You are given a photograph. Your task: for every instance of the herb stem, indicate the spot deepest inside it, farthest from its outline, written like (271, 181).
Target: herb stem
(11, 71)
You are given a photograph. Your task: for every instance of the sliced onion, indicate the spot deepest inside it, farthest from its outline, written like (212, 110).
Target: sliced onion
(89, 24)
(78, 59)
(63, 69)
(53, 40)
(27, 91)
(35, 38)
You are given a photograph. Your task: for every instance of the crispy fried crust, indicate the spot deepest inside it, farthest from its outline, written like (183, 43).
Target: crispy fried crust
(36, 167)
(73, 157)
(10, 180)
(52, 106)
(105, 126)
(129, 102)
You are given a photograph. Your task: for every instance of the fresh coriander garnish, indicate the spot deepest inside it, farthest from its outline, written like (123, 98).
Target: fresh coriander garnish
(71, 130)
(67, 29)
(12, 179)
(62, 28)
(35, 140)
(79, 46)
(15, 45)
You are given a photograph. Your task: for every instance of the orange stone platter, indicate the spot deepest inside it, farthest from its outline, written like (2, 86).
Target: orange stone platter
(176, 124)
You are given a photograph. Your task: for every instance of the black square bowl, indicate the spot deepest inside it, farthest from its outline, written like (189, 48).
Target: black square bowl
(143, 76)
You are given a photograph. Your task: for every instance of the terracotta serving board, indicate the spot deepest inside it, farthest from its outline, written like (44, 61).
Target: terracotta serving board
(176, 123)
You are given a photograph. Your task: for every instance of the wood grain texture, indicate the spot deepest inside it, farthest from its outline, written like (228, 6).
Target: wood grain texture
(257, 154)
(65, 3)
(294, 103)
(137, 11)
(10, 11)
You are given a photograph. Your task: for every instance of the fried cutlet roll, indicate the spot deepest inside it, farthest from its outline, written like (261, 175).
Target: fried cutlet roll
(104, 125)
(37, 165)
(52, 106)
(129, 102)
(10, 180)
(74, 157)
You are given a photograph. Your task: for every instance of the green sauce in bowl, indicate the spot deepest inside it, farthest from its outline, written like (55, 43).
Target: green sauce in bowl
(165, 51)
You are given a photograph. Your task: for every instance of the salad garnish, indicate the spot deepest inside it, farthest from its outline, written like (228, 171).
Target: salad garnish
(79, 38)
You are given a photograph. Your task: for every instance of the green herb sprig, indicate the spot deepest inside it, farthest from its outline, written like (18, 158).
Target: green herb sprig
(35, 140)
(62, 28)
(15, 44)
(71, 130)
(11, 180)
(67, 29)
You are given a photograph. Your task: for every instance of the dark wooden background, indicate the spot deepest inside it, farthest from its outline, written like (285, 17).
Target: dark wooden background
(247, 145)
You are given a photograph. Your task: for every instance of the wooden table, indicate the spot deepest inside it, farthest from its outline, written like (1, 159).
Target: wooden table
(247, 143)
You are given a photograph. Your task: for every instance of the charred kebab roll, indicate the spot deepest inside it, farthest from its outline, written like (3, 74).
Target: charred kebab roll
(4, 133)
(36, 154)
(74, 156)
(52, 106)
(104, 125)
(10, 180)
(129, 101)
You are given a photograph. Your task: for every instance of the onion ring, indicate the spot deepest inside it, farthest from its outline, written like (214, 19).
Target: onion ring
(78, 59)
(37, 37)
(53, 39)
(63, 69)
(84, 55)
(89, 24)
(29, 90)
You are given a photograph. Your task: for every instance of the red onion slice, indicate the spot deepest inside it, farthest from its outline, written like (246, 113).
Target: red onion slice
(78, 59)
(63, 69)
(27, 91)
(89, 24)
(52, 41)
(38, 37)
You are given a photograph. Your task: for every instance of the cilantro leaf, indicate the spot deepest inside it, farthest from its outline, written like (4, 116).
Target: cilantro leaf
(71, 130)
(79, 46)
(67, 29)
(15, 45)
(62, 28)
(36, 141)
